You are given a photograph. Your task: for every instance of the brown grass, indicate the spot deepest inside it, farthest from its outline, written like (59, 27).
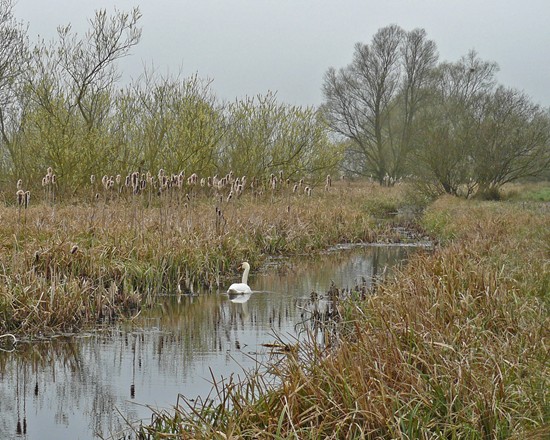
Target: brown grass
(71, 265)
(455, 347)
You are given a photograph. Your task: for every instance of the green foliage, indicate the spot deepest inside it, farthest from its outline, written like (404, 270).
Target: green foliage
(264, 137)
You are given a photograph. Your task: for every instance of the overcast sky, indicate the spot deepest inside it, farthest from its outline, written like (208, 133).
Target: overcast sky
(249, 47)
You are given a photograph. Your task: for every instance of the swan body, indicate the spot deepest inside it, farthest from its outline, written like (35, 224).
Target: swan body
(241, 288)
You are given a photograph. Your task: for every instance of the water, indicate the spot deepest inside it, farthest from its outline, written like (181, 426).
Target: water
(87, 386)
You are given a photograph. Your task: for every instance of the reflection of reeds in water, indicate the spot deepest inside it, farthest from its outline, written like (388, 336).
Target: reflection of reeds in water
(55, 377)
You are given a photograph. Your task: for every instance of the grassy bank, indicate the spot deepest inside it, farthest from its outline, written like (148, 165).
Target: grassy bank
(65, 266)
(455, 347)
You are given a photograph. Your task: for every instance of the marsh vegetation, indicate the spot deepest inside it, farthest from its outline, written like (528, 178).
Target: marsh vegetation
(113, 196)
(455, 346)
(70, 265)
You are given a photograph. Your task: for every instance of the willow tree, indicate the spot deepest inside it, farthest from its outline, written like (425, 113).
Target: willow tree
(176, 124)
(448, 125)
(476, 136)
(13, 63)
(374, 101)
(69, 89)
(512, 140)
(265, 136)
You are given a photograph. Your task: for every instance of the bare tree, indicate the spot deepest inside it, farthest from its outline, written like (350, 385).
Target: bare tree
(373, 101)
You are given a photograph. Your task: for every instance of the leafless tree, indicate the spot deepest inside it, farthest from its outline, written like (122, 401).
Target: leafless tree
(373, 101)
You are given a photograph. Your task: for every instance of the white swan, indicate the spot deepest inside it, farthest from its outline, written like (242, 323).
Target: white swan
(241, 288)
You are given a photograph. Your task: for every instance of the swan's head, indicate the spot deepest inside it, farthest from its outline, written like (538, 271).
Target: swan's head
(244, 266)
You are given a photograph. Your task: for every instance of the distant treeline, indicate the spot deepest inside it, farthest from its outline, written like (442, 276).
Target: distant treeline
(394, 112)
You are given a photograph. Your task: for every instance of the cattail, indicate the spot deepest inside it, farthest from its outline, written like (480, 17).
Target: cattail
(329, 181)
(74, 249)
(19, 184)
(295, 188)
(301, 182)
(92, 179)
(27, 199)
(307, 190)
(20, 197)
(229, 197)
(49, 171)
(118, 179)
(44, 181)
(52, 179)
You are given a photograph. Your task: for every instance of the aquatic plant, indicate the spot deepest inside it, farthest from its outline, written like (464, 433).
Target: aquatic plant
(107, 258)
(454, 346)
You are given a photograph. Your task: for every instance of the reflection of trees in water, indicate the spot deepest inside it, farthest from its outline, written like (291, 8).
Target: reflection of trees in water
(60, 378)
(83, 379)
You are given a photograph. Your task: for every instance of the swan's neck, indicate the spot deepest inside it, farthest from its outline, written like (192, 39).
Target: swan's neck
(245, 275)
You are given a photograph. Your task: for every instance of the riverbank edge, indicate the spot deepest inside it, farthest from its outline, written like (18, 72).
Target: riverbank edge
(456, 346)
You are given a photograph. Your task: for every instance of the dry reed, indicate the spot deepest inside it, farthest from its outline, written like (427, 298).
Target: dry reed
(455, 347)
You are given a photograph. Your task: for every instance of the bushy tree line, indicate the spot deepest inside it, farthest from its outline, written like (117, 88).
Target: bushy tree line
(449, 125)
(61, 106)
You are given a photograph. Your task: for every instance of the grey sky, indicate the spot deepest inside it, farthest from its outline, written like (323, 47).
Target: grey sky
(253, 46)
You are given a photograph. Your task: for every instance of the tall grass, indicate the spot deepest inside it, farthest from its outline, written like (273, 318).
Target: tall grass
(104, 259)
(454, 347)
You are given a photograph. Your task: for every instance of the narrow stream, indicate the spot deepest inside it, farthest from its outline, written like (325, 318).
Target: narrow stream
(87, 386)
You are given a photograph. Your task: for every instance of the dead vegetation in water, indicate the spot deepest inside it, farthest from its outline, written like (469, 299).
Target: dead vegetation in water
(456, 346)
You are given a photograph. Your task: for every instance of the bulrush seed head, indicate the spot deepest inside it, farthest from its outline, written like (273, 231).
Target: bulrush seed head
(20, 197)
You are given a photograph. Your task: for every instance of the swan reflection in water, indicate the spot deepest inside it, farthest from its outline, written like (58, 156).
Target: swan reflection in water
(239, 298)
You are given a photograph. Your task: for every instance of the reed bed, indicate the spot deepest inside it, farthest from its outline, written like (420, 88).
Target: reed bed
(67, 265)
(455, 346)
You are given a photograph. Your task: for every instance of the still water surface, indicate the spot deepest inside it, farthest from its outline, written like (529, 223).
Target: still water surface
(86, 386)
